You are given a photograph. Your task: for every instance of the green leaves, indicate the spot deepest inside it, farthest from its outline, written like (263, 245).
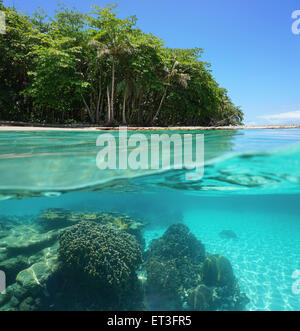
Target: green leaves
(97, 66)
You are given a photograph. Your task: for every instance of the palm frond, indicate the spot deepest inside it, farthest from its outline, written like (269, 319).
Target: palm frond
(183, 79)
(104, 51)
(94, 43)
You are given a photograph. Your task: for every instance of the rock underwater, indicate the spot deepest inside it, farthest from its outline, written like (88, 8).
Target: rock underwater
(36, 279)
(57, 218)
(66, 261)
(180, 275)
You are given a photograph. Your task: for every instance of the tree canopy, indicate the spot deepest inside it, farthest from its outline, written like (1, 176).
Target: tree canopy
(98, 68)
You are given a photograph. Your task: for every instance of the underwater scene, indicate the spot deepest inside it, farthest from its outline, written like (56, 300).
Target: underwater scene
(74, 237)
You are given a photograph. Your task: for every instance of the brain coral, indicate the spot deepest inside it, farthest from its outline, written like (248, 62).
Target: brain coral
(99, 253)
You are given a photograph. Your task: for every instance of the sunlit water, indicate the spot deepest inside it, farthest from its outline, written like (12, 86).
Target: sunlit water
(251, 186)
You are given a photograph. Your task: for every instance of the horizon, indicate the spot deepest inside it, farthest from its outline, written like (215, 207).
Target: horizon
(254, 56)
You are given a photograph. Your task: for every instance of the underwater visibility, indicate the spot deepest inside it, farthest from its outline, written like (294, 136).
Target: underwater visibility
(74, 237)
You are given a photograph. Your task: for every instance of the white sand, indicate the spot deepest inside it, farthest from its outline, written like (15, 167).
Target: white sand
(188, 128)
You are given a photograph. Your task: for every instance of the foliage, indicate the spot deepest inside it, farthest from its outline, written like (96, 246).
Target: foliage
(102, 69)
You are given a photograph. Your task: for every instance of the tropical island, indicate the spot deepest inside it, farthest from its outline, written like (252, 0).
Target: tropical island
(100, 69)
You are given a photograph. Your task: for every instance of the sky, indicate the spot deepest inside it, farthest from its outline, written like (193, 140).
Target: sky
(250, 43)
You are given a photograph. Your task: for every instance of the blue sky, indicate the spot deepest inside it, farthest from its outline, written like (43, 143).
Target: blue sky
(250, 44)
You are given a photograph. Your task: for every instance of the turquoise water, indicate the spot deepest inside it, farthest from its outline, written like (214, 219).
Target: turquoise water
(251, 186)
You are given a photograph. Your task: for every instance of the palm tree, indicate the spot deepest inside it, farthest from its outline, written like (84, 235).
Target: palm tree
(116, 49)
(172, 75)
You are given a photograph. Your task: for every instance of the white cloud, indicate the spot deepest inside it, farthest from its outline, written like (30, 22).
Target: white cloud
(292, 117)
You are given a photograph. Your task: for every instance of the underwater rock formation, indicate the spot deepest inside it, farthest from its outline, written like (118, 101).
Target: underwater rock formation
(173, 264)
(181, 276)
(217, 271)
(13, 266)
(28, 242)
(29, 247)
(22, 246)
(57, 218)
(200, 298)
(163, 283)
(33, 278)
(97, 265)
(30, 286)
(5, 226)
(177, 243)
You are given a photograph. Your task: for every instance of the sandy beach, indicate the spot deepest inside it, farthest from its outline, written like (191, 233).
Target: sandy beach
(36, 127)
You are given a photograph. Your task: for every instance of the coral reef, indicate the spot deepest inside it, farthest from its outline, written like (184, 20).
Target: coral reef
(181, 276)
(92, 261)
(100, 262)
(101, 276)
(99, 253)
(173, 264)
(28, 256)
(217, 271)
(56, 218)
(177, 243)
(200, 298)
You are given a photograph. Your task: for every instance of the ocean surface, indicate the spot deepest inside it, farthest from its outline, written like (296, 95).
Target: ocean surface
(251, 186)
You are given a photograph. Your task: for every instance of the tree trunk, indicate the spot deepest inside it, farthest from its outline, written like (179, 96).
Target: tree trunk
(112, 89)
(101, 107)
(99, 98)
(124, 109)
(89, 110)
(139, 107)
(160, 105)
(108, 107)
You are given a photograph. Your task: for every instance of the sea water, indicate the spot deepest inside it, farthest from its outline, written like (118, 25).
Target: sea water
(251, 186)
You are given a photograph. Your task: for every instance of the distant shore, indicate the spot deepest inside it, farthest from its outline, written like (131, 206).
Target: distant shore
(21, 126)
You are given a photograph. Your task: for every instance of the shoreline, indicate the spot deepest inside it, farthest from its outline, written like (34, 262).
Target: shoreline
(34, 127)
(93, 129)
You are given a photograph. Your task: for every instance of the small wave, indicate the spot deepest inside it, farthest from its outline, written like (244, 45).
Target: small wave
(256, 172)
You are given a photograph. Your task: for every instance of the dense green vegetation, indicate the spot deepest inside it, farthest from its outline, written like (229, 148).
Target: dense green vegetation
(99, 68)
